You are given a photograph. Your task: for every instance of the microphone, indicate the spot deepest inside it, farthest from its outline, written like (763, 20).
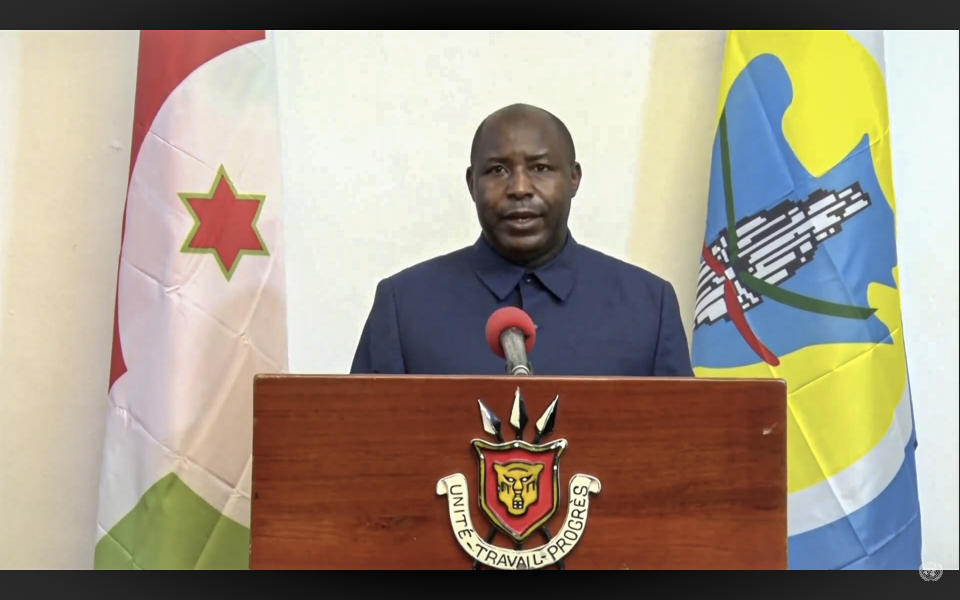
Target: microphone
(511, 334)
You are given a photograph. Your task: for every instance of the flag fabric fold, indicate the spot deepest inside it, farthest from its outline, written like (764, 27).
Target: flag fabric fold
(200, 304)
(798, 280)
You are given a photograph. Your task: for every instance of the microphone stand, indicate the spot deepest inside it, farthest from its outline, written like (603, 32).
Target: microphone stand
(513, 342)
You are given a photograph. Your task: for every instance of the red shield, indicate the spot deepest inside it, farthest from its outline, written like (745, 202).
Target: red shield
(536, 495)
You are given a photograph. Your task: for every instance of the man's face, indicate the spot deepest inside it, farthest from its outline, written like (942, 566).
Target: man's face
(522, 179)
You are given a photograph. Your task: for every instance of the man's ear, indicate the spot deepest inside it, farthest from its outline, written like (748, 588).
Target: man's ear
(575, 175)
(470, 180)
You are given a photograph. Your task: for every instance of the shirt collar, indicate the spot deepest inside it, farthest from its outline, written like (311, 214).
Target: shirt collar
(501, 276)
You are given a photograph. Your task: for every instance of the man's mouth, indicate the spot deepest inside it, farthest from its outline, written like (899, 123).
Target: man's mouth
(521, 217)
(521, 213)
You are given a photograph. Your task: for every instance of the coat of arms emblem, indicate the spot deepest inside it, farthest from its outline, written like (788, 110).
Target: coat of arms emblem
(519, 491)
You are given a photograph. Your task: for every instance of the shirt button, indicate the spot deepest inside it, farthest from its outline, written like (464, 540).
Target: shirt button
(528, 279)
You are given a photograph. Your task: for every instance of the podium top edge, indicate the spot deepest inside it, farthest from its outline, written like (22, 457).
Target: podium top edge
(517, 378)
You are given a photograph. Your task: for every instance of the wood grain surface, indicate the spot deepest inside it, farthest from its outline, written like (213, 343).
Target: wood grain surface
(693, 471)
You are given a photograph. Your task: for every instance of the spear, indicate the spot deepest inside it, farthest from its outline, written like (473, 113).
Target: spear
(547, 420)
(491, 422)
(545, 425)
(518, 416)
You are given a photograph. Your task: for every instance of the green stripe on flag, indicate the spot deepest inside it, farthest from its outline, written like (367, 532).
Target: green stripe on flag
(171, 527)
(732, 249)
(785, 296)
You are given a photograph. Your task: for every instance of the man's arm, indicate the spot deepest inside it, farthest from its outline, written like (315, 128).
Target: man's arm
(379, 349)
(673, 356)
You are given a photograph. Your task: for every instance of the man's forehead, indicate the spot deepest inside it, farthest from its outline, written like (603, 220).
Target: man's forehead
(521, 129)
(532, 135)
(507, 125)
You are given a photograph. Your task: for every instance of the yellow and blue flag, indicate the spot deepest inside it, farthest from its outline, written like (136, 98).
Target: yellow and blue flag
(798, 280)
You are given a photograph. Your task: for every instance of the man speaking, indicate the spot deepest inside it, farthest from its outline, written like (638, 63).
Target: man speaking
(594, 314)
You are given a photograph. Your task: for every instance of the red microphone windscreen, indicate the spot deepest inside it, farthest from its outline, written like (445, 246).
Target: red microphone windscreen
(504, 318)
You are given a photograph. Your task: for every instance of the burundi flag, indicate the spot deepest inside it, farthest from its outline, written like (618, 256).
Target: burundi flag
(200, 304)
(798, 280)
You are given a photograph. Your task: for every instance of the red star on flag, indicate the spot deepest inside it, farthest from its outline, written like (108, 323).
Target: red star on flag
(225, 223)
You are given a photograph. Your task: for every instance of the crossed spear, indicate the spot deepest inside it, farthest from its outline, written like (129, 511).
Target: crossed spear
(518, 420)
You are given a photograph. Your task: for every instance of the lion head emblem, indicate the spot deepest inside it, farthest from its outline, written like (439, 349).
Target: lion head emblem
(518, 484)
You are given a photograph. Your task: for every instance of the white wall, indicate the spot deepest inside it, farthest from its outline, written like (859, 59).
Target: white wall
(376, 135)
(922, 94)
(376, 128)
(66, 115)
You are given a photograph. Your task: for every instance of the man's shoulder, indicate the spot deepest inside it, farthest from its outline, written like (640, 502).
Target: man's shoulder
(605, 265)
(442, 266)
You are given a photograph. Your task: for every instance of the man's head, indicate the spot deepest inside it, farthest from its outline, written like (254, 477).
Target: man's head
(522, 175)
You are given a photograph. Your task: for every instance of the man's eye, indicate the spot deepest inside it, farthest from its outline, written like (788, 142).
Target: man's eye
(541, 168)
(496, 170)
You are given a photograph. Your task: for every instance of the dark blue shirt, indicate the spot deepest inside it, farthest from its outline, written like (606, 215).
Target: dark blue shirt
(595, 315)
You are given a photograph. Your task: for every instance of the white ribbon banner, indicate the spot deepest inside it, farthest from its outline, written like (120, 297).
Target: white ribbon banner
(454, 487)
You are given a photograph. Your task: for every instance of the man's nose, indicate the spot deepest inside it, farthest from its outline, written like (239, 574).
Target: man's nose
(519, 184)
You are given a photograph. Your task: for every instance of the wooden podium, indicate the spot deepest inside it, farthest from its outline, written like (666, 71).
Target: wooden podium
(345, 469)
